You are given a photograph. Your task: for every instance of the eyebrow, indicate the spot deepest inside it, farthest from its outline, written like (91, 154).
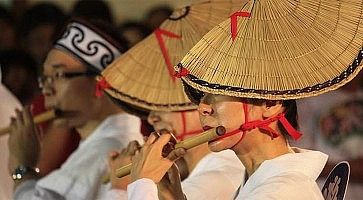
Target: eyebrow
(57, 66)
(207, 99)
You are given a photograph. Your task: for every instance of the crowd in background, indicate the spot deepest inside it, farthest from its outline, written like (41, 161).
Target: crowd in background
(27, 34)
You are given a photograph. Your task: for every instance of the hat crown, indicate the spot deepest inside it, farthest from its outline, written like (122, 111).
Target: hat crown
(283, 49)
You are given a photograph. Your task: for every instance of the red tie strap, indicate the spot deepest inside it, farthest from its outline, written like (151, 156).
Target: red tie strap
(159, 36)
(264, 125)
(101, 85)
(234, 21)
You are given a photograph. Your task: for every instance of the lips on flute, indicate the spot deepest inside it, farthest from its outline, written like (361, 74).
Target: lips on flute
(188, 143)
(43, 117)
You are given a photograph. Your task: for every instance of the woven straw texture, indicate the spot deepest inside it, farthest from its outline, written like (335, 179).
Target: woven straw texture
(143, 76)
(285, 49)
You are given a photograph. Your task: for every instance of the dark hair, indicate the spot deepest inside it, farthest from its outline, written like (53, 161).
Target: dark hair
(144, 30)
(93, 10)
(290, 112)
(16, 59)
(103, 28)
(40, 14)
(157, 15)
(290, 106)
(163, 9)
(106, 30)
(5, 15)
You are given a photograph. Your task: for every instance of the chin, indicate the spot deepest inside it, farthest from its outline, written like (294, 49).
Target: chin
(217, 146)
(60, 122)
(223, 143)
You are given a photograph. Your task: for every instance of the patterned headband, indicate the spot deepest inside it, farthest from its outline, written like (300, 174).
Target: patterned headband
(87, 45)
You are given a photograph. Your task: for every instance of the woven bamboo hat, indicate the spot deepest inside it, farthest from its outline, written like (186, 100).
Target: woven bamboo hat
(279, 50)
(144, 75)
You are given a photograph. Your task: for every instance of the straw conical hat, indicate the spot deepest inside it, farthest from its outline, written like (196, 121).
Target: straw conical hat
(144, 75)
(283, 49)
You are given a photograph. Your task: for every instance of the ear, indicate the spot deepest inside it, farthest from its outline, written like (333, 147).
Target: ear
(272, 110)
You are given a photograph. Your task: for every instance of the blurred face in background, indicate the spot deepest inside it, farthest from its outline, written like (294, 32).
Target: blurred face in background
(72, 94)
(171, 121)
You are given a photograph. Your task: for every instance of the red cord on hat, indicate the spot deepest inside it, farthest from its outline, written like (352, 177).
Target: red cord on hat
(159, 33)
(101, 85)
(234, 22)
(181, 73)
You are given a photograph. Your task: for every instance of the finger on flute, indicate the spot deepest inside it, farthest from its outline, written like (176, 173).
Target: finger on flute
(187, 144)
(43, 117)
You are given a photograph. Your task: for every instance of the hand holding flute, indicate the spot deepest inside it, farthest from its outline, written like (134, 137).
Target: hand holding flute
(43, 117)
(179, 147)
(24, 144)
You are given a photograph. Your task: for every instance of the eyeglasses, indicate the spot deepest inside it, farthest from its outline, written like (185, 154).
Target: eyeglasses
(44, 80)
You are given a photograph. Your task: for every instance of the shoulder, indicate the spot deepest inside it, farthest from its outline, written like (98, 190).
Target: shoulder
(290, 185)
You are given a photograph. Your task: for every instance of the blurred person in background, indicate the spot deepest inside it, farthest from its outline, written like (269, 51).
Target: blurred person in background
(93, 10)
(69, 84)
(8, 103)
(7, 33)
(157, 15)
(333, 125)
(133, 31)
(37, 29)
(19, 74)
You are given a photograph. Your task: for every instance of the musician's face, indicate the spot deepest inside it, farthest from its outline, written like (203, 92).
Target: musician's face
(74, 95)
(172, 121)
(218, 110)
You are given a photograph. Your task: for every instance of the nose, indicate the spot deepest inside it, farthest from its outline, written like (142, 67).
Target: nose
(205, 109)
(153, 118)
(45, 84)
(47, 90)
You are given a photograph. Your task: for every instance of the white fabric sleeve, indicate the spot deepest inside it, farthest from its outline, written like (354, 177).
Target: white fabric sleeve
(285, 186)
(210, 185)
(114, 194)
(142, 189)
(29, 191)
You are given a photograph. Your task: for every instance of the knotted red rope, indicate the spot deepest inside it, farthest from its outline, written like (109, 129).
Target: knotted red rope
(234, 21)
(264, 125)
(101, 85)
(181, 73)
(159, 36)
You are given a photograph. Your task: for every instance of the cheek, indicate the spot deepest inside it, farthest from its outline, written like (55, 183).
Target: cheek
(72, 96)
(231, 117)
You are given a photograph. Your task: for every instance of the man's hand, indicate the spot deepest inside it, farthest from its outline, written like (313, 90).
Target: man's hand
(149, 162)
(24, 145)
(119, 159)
(170, 185)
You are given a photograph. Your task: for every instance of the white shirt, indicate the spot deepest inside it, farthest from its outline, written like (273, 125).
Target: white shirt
(216, 176)
(79, 178)
(290, 176)
(8, 103)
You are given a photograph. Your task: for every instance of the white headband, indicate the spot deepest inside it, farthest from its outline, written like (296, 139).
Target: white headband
(87, 45)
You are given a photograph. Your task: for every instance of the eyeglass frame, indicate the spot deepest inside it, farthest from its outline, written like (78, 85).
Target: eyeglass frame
(63, 75)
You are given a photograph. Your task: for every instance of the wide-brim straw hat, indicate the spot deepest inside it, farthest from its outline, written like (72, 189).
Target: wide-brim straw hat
(144, 75)
(282, 49)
